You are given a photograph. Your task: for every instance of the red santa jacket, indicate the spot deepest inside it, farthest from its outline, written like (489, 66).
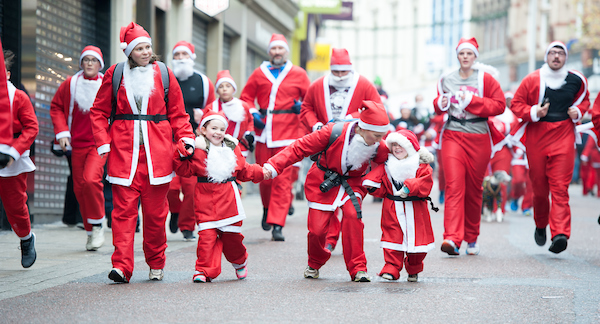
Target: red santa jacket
(25, 128)
(596, 118)
(334, 159)
(6, 132)
(529, 94)
(238, 114)
(218, 204)
(416, 234)
(273, 95)
(122, 138)
(491, 103)
(316, 107)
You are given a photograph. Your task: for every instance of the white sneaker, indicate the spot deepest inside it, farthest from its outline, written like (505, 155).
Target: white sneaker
(499, 215)
(473, 249)
(362, 276)
(156, 274)
(96, 240)
(387, 276)
(311, 273)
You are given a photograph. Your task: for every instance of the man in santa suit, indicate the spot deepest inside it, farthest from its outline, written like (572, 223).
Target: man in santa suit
(344, 162)
(140, 142)
(6, 132)
(550, 101)
(198, 91)
(13, 178)
(70, 113)
(336, 95)
(278, 87)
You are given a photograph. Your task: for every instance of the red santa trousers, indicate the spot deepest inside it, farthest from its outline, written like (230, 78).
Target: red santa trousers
(14, 198)
(588, 177)
(501, 161)
(521, 186)
(185, 209)
(279, 188)
(124, 219)
(466, 157)
(551, 158)
(88, 169)
(352, 238)
(211, 243)
(394, 260)
(440, 170)
(333, 234)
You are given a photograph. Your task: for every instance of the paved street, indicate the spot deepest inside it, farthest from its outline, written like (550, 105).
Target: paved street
(512, 280)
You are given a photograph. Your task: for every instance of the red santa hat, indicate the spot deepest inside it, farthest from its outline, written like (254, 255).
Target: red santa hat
(278, 40)
(225, 76)
(509, 94)
(210, 115)
(556, 44)
(186, 47)
(468, 43)
(373, 117)
(340, 60)
(409, 141)
(131, 35)
(93, 51)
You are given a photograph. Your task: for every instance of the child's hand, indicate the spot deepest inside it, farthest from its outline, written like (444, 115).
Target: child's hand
(267, 175)
(404, 192)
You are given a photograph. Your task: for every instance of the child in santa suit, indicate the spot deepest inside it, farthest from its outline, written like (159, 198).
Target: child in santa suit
(218, 163)
(404, 181)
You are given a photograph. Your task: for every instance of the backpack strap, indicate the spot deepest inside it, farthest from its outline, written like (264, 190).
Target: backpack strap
(116, 83)
(164, 74)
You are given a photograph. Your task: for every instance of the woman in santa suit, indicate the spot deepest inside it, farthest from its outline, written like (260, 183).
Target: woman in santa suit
(139, 139)
(470, 95)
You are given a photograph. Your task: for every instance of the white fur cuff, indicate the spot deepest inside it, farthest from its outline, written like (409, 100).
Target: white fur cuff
(270, 168)
(316, 126)
(533, 113)
(576, 120)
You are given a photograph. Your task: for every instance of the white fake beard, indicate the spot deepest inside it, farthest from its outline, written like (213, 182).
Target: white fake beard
(220, 163)
(553, 79)
(341, 82)
(142, 81)
(400, 170)
(234, 110)
(183, 69)
(85, 92)
(359, 152)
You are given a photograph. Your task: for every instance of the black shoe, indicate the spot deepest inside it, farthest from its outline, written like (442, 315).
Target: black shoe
(188, 235)
(173, 222)
(559, 243)
(291, 210)
(4, 159)
(540, 236)
(598, 219)
(266, 226)
(277, 236)
(28, 254)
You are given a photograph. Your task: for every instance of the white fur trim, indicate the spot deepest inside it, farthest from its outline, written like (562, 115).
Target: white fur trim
(230, 80)
(576, 120)
(533, 113)
(338, 67)
(206, 119)
(104, 149)
(486, 68)
(462, 104)
(374, 128)
(371, 183)
(278, 43)
(220, 163)
(123, 45)
(185, 49)
(467, 45)
(63, 134)
(270, 168)
(425, 156)
(316, 126)
(400, 139)
(554, 44)
(94, 54)
(134, 43)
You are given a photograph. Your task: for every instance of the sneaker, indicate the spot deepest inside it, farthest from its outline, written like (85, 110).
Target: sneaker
(291, 210)
(188, 235)
(473, 248)
(388, 276)
(450, 247)
(173, 222)
(514, 205)
(499, 215)
(80, 225)
(540, 236)
(330, 247)
(241, 273)
(156, 274)
(413, 278)
(311, 273)
(117, 275)
(199, 277)
(96, 240)
(362, 276)
(527, 212)
(559, 243)
(28, 254)
(265, 226)
(277, 235)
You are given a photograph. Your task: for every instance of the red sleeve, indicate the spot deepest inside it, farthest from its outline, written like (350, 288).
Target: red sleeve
(194, 167)
(28, 120)
(438, 100)
(100, 111)
(211, 92)
(525, 97)
(308, 117)
(421, 185)
(304, 83)
(6, 131)
(57, 106)
(584, 105)
(249, 118)
(376, 176)
(492, 102)
(596, 114)
(248, 172)
(176, 114)
(249, 92)
(587, 150)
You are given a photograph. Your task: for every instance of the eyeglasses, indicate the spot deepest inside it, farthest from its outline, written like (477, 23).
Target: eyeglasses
(88, 61)
(559, 53)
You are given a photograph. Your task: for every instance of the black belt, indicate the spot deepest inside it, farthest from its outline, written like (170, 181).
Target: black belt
(413, 198)
(553, 117)
(205, 180)
(154, 118)
(277, 112)
(464, 121)
(348, 190)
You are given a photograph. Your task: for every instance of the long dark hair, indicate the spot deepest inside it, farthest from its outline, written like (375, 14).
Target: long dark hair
(132, 63)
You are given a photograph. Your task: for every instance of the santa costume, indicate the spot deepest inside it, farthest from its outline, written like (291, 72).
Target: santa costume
(350, 156)
(198, 92)
(466, 143)
(139, 139)
(218, 208)
(405, 222)
(6, 133)
(549, 143)
(590, 157)
(13, 178)
(276, 89)
(70, 113)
